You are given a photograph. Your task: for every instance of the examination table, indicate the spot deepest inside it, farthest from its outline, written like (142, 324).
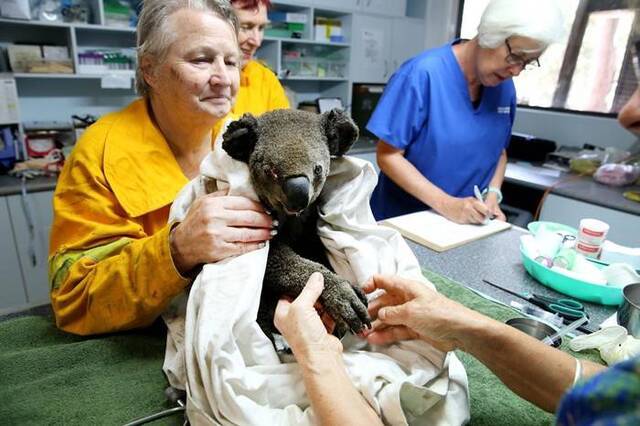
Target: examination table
(51, 377)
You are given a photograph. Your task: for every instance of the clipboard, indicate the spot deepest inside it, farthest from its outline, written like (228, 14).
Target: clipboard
(440, 234)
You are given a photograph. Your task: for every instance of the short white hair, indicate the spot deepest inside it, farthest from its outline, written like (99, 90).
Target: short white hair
(155, 37)
(539, 20)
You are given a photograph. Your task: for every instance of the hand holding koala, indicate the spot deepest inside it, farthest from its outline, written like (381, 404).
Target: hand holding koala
(218, 226)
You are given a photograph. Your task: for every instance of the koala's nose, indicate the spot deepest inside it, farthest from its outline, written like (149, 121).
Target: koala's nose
(296, 189)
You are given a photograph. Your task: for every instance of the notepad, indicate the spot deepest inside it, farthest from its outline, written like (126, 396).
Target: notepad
(440, 234)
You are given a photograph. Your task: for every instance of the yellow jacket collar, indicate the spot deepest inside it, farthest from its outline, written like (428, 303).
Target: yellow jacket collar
(138, 163)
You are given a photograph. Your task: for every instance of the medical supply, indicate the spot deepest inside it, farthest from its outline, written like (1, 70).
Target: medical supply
(629, 311)
(613, 343)
(558, 335)
(592, 231)
(588, 250)
(544, 261)
(569, 309)
(534, 311)
(534, 328)
(529, 246)
(565, 259)
(614, 253)
(620, 275)
(549, 242)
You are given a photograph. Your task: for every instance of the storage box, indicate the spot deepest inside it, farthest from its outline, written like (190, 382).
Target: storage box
(329, 30)
(8, 100)
(298, 18)
(30, 59)
(18, 9)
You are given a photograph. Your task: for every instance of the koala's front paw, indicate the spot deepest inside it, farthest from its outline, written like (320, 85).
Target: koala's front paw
(346, 304)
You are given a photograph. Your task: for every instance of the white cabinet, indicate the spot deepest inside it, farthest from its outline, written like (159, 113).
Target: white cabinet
(350, 5)
(371, 60)
(383, 7)
(31, 219)
(12, 292)
(624, 226)
(407, 39)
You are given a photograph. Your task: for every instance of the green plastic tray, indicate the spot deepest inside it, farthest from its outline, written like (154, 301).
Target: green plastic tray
(582, 290)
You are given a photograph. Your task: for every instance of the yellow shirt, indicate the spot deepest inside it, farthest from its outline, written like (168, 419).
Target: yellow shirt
(110, 266)
(260, 91)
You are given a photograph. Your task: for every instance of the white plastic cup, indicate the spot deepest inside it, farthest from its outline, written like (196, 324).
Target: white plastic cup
(593, 231)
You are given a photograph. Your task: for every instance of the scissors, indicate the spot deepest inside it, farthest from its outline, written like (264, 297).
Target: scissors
(568, 309)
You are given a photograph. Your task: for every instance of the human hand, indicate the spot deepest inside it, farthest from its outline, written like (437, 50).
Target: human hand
(300, 323)
(463, 210)
(218, 226)
(494, 208)
(411, 310)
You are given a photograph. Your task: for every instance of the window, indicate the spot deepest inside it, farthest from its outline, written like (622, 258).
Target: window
(591, 69)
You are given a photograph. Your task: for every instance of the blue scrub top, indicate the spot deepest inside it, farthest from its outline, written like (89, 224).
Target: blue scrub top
(426, 111)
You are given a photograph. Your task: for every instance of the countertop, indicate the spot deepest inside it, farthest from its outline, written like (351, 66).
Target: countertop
(581, 188)
(10, 185)
(496, 259)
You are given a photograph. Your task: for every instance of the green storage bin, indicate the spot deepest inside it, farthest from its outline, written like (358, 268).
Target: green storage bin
(604, 295)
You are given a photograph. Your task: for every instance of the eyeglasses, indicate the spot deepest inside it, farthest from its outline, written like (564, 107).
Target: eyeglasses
(513, 59)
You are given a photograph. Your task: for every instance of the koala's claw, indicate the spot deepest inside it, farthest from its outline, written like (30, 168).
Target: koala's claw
(347, 304)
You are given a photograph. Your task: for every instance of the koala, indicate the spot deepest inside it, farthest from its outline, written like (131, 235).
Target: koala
(289, 154)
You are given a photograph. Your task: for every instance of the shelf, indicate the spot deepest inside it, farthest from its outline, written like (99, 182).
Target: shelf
(312, 78)
(306, 41)
(70, 76)
(66, 25)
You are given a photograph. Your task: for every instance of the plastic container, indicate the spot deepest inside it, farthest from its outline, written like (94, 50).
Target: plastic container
(593, 231)
(602, 294)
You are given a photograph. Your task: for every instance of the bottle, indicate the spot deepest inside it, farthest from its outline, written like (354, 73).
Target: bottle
(565, 259)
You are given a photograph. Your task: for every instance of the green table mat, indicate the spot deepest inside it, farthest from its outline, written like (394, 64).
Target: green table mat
(51, 377)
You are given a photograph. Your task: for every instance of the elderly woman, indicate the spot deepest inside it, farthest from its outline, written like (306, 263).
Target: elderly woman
(114, 261)
(446, 115)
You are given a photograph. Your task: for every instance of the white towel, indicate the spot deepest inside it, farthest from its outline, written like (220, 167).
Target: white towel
(230, 370)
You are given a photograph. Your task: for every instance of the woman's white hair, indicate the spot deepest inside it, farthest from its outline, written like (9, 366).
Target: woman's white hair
(155, 36)
(539, 20)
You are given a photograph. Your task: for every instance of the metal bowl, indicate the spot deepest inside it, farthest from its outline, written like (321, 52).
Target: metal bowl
(534, 328)
(629, 311)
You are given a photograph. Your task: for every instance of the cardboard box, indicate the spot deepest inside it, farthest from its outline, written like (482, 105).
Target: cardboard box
(21, 55)
(25, 58)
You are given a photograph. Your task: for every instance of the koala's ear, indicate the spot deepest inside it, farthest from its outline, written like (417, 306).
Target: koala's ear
(340, 130)
(240, 138)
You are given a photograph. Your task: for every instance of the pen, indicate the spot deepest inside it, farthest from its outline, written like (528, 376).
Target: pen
(478, 194)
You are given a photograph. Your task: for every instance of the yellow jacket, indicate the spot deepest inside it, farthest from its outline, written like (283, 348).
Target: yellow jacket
(110, 266)
(260, 91)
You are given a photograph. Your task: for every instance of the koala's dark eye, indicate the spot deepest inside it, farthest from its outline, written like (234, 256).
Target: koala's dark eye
(317, 170)
(271, 172)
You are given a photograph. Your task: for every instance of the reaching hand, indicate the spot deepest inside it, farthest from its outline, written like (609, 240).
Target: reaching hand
(411, 310)
(218, 226)
(464, 210)
(300, 323)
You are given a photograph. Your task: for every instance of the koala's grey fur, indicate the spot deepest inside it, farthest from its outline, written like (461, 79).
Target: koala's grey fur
(289, 155)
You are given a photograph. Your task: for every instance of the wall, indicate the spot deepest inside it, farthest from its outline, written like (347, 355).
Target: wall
(441, 17)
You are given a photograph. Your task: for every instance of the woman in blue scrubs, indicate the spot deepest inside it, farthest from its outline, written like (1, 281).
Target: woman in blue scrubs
(445, 118)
